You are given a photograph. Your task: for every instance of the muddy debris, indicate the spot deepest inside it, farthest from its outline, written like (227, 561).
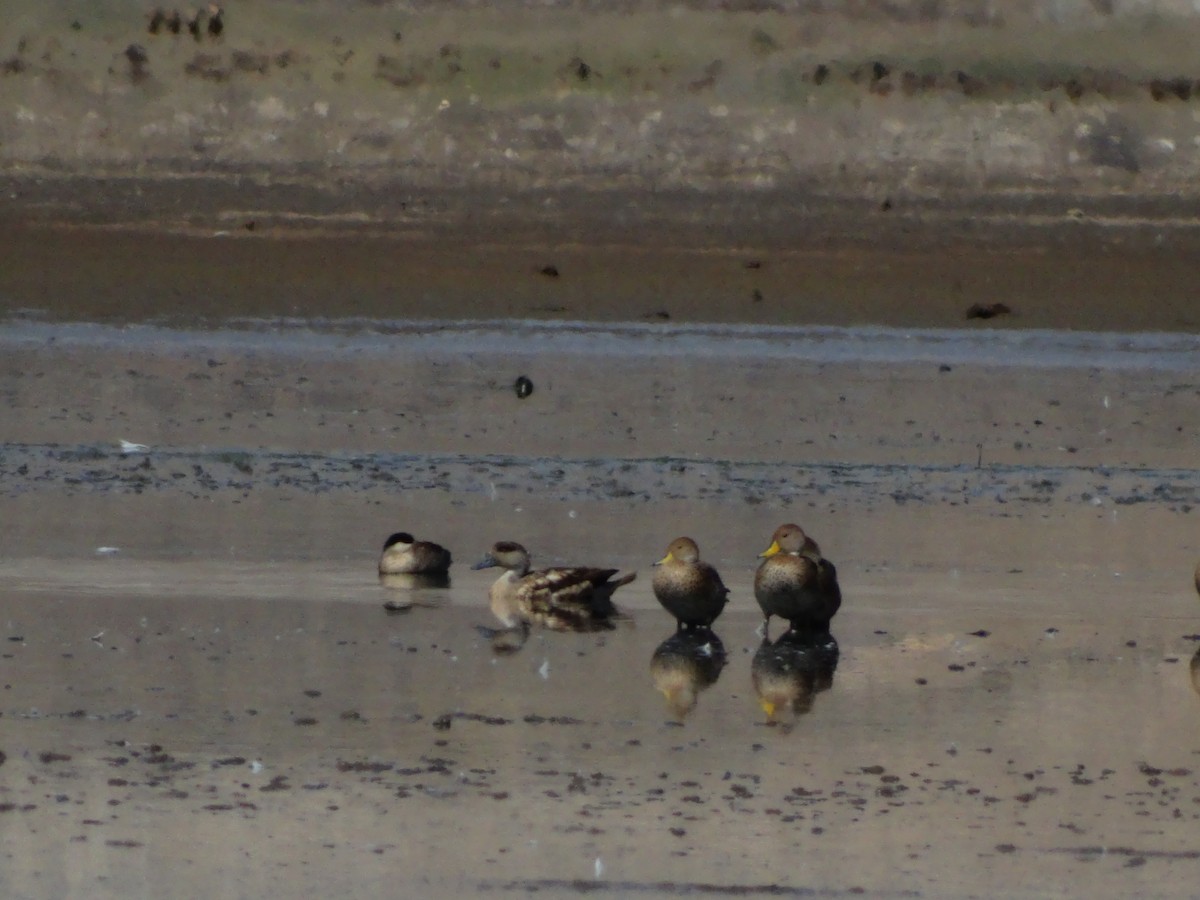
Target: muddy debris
(200, 24)
(987, 310)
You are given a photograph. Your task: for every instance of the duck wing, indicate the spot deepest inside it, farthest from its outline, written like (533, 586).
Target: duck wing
(570, 599)
(713, 577)
(828, 582)
(432, 557)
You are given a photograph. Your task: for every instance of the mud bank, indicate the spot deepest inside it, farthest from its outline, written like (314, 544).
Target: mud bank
(1081, 101)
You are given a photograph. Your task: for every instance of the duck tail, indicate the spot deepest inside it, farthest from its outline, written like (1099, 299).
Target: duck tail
(623, 580)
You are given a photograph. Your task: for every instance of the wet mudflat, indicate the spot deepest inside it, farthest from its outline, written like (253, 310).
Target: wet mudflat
(976, 737)
(201, 686)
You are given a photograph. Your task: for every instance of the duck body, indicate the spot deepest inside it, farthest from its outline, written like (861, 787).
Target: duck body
(796, 583)
(402, 555)
(577, 598)
(689, 589)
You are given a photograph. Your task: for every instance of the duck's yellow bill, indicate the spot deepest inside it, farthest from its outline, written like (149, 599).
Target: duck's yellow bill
(770, 551)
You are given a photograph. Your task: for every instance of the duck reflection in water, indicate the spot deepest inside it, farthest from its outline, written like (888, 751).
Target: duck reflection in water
(405, 582)
(505, 641)
(685, 664)
(789, 673)
(1195, 666)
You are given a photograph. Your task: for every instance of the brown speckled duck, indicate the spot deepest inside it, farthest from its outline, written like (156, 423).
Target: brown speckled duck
(689, 589)
(561, 599)
(795, 582)
(402, 555)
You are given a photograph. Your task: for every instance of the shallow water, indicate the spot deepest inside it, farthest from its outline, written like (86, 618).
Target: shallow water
(986, 738)
(202, 686)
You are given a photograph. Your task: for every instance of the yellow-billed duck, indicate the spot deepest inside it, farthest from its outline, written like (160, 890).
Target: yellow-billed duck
(687, 588)
(402, 555)
(795, 582)
(578, 598)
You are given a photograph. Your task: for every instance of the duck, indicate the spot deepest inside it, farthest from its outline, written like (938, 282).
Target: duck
(687, 588)
(403, 555)
(685, 664)
(578, 598)
(795, 582)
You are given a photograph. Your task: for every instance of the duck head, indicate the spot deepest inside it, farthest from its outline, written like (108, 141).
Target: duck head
(400, 537)
(792, 540)
(507, 555)
(681, 550)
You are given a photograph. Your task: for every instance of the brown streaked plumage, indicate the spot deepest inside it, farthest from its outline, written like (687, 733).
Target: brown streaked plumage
(687, 588)
(561, 599)
(795, 582)
(402, 555)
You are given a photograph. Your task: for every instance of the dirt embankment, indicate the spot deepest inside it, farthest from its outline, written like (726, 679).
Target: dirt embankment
(892, 104)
